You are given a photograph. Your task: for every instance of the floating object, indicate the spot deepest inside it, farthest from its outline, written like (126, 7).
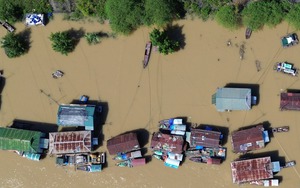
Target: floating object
(147, 54)
(129, 155)
(58, 74)
(287, 68)
(248, 33)
(289, 40)
(281, 129)
(7, 26)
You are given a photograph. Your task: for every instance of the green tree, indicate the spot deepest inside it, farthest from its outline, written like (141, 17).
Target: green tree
(100, 10)
(293, 17)
(159, 12)
(164, 43)
(37, 6)
(62, 42)
(227, 16)
(124, 15)
(87, 7)
(13, 45)
(10, 10)
(92, 38)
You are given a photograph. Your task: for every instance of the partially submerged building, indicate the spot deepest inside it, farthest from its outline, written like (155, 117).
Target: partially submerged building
(33, 19)
(253, 170)
(167, 143)
(123, 143)
(199, 138)
(22, 140)
(249, 139)
(290, 101)
(69, 115)
(228, 99)
(72, 142)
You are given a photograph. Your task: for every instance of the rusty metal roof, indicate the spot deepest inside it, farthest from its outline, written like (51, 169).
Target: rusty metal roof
(251, 170)
(123, 143)
(290, 101)
(70, 142)
(206, 138)
(248, 139)
(166, 142)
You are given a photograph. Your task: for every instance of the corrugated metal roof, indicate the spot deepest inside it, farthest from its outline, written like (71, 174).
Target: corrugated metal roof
(251, 170)
(76, 115)
(166, 142)
(233, 99)
(19, 139)
(248, 139)
(290, 101)
(123, 143)
(70, 142)
(206, 138)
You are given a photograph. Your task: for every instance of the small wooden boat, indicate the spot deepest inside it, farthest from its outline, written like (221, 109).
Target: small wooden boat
(147, 54)
(7, 26)
(248, 33)
(265, 183)
(289, 164)
(281, 129)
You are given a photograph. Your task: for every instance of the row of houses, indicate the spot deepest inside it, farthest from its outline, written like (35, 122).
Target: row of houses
(230, 99)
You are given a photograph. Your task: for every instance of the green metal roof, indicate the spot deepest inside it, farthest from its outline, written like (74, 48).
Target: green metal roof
(19, 139)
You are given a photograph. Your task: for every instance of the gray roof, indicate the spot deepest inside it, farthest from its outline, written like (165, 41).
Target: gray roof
(232, 99)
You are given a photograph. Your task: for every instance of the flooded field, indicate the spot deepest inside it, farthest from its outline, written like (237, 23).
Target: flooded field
(180, 84)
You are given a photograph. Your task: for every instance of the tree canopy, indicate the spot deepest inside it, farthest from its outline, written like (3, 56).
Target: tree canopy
(227, 16)
(124, 15)
(62, 42)
(13, 45)
(159, 12)
(10, 10)
(164, 43)
(293, 17)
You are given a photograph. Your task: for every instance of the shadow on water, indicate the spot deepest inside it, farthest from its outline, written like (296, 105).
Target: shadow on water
(254, 89)
(76, 35)
(34, 126)
(174, 32)
(2, 84)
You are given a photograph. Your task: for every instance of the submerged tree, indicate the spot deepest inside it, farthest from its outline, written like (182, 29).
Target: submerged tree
(164, 43)
(13, 45)
(92, 38)
(227, 16)
(62, 42)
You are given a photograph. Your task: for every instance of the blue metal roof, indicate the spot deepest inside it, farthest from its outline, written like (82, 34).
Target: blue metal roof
(76, 115)
(232, 99)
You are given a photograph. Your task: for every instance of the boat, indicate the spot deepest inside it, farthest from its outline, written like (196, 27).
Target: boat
(287, 68)
(289, 40)
(206, 160)
(177, 129)
(58, 74)
(289, 164)
(173, 163)
(207, 155)
(171, 121)
(129, 155)
(147, 54)
(280, 129)
(90, 167)
(132, 162)
(7, 26)
(82, 159)
(248, 33)
(265, 183)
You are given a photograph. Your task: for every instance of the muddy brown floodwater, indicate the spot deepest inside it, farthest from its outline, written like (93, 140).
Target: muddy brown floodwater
(180, 84)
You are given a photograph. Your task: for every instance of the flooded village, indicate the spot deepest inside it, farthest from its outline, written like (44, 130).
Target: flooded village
(222, 112)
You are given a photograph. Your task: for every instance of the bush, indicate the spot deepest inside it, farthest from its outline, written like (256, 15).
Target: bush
(161, 39)
(227, 17)
(10, 11)
(293, 17)
(92, 38)
(13, 45)
(62, 42)
(124, 15)
(87, 7)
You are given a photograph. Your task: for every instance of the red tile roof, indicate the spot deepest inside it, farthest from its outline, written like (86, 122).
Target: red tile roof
(251, 170)
(166, 142)
(290, 101)
(206, 138)
(123, 143)
(70, 142)
(248, 139)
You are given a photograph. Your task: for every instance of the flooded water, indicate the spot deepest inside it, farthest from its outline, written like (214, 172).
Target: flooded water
(180, 84)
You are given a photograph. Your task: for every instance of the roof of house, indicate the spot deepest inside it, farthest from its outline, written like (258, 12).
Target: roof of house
(32, 19)
(70, 142)
(248, 139)
(76, 115)
(166, 142)
(19, 139)
(205, 138)
(251, 170)
(123, 143)
(290, 101)
(232, 99)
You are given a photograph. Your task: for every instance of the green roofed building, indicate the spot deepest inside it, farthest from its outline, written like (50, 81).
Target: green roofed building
(227, 99)
(76, 115)
(21, 140)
